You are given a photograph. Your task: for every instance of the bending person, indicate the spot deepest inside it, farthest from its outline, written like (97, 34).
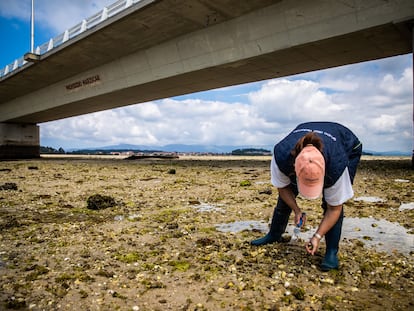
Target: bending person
(316, 158)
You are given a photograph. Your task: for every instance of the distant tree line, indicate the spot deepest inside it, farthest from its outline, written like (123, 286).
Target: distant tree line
(251, 151)
(367, 153)
(50, 150)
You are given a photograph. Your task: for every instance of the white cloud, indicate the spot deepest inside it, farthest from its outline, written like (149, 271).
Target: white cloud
(60, 16)
(166, 122)
(57, 16)
(347, 84)
(383, 124)
(15, 9)
(398, 87)
(293, 101)
(376, 105)
(381, 106)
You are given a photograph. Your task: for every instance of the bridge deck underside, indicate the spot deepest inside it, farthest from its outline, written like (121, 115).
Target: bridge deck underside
(159, 21)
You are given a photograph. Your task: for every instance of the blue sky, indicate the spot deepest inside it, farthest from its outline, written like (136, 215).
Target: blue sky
(374, 99)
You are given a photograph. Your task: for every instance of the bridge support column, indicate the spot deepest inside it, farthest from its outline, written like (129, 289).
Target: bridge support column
(19, 141)
(412, 51)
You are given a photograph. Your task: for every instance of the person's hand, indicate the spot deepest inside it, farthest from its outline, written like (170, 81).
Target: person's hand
(312, 246)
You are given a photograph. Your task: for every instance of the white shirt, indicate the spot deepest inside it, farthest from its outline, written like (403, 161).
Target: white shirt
(335, 195)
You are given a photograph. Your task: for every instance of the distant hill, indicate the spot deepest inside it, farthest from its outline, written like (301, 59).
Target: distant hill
(387, 153)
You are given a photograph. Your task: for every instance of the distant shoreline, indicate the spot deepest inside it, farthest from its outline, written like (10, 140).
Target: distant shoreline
(200, 157)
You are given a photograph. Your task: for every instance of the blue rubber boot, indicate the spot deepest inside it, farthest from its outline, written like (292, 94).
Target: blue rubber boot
(332, 238)
(278, 225)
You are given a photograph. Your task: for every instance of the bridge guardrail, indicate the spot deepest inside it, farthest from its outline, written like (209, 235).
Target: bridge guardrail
(71, 33)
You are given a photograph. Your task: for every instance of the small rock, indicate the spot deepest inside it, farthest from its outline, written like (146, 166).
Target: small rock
(194, 202)
(266, 191)
(8, 186)
(97, 202)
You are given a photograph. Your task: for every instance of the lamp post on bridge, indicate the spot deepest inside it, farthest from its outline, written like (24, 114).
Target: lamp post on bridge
(31, 56)
(32, 29)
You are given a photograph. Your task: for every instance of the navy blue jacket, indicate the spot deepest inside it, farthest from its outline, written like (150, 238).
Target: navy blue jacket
(341, 149)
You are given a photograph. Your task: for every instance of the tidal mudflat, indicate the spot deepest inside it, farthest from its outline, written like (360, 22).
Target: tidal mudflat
(150, 234)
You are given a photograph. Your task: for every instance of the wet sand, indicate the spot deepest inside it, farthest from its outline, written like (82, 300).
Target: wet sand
(160, 246)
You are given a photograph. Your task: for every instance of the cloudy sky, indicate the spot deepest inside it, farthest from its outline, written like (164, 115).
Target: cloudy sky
(374, 99)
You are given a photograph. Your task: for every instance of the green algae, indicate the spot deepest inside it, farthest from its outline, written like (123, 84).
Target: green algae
(245, 183)
(180, 265)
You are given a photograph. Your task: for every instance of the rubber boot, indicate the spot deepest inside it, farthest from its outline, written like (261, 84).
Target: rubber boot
(278, 225)
(332, 238)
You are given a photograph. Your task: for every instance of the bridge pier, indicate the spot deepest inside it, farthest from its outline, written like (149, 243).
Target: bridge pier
(412, 51)
(19, 141)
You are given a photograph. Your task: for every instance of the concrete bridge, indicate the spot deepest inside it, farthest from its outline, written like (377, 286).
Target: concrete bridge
(154, 49)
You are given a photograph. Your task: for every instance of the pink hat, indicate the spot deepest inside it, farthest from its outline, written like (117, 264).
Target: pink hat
(310, 172)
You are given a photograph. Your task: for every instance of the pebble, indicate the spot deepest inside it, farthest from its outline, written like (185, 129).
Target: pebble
(327, 280)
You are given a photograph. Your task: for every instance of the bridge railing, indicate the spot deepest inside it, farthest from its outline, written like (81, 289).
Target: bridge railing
(71, 33)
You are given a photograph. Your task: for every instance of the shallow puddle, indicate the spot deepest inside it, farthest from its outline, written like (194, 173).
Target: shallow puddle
(403, 206)
(406, 206)
(369, 199)
(381, 234)
(205, 207)
(239, 226)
